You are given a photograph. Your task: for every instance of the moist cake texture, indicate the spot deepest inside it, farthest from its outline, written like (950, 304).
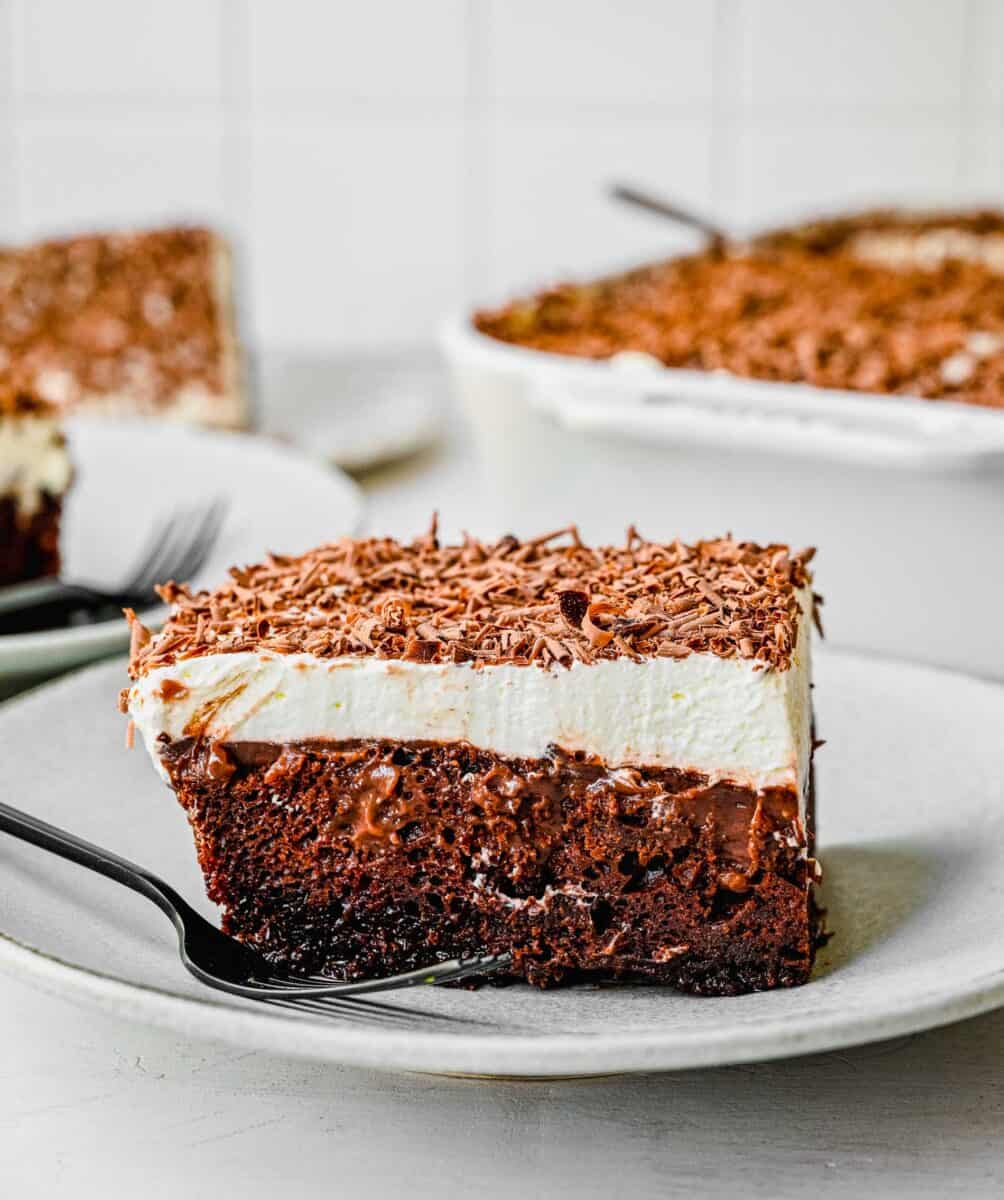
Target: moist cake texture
(597, 758)
(124, 323)
(35, 474)
(880, 302)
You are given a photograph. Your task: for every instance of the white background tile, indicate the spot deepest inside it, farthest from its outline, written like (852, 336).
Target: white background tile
(81, 173)
(983, 75)
(855, 54)
(637, 52)
(117, 48)
(981, 169)
(357, 230)
(384, 162)
(383, 50)
(789, 170)
(548, 214)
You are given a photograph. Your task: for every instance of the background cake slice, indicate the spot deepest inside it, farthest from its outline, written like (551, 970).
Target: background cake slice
(35, 473)
(597, 758)
(125, 324)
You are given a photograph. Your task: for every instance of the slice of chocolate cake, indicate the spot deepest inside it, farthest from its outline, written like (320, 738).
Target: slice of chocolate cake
(125, 324)
(596, 758)
(35, 473)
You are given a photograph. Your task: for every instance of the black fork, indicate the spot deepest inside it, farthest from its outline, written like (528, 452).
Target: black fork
(213, 958)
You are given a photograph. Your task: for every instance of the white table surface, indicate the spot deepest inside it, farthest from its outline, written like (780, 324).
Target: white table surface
(92, 1106)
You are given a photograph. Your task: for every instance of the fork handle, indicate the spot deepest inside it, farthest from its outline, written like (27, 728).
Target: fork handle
(40, 591)
(85, 854)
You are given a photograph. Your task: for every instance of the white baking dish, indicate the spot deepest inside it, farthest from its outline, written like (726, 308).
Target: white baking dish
(634, 394)
(904, 497)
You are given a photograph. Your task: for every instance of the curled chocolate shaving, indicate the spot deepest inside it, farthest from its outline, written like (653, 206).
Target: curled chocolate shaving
(139, 635)
(598, 638)
(573, 606)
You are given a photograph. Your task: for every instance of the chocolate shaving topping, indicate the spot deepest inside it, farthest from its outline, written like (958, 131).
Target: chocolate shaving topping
(105, 314)
(139, 635)
(573, 606)
(549, 600)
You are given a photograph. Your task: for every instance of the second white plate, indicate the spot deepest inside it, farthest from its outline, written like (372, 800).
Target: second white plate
(359, 411)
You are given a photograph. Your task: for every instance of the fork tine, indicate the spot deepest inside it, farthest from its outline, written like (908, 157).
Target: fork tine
(289, 984)
(302, 981)
(172, 550)
(202, 540)
(152, 570)
(178, 550)
(359, 1013)
(367, 1013)
(444, 972)
(360, 1005)
(149, 554)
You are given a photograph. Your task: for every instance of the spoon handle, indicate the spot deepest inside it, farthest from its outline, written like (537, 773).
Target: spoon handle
(669, 209)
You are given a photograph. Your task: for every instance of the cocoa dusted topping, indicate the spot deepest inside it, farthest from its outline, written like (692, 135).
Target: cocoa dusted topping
(109, 314)
(548, 600)
(878, 303)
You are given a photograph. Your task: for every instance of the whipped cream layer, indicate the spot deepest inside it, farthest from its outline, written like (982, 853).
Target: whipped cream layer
(33, 460)
(721, 717)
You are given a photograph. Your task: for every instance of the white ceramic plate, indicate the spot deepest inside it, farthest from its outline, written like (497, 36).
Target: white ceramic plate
(911, 804)
(357, 410)
(130, 473)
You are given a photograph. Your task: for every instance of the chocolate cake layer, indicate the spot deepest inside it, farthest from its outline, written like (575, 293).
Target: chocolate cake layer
(369, 857)
(29, 543)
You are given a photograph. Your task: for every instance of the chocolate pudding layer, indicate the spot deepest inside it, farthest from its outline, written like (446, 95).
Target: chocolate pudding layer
(368, 857)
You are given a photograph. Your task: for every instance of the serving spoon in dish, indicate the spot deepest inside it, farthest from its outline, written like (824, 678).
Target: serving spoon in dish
(628, 194)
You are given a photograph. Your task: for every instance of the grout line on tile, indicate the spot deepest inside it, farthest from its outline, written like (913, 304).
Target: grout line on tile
(86, 105)
(315, 108)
